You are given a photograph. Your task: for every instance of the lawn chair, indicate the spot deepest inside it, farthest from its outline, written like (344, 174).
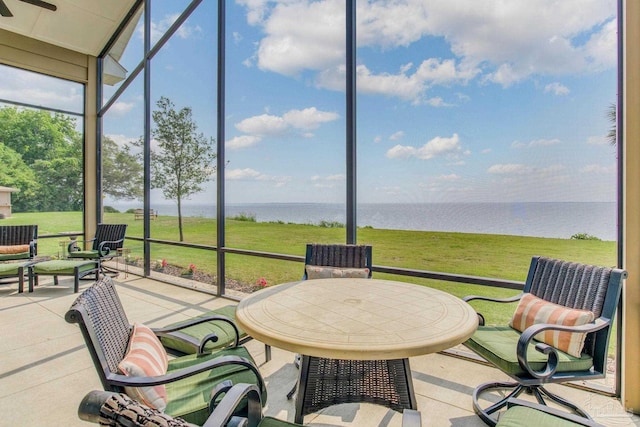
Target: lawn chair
(108, 239)
(180, 387)
(118, 410)
(574, 301)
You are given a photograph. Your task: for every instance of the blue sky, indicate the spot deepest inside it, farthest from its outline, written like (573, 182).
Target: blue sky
(458, 100)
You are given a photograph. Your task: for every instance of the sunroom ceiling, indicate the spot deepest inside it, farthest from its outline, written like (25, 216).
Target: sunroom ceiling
(83, 26)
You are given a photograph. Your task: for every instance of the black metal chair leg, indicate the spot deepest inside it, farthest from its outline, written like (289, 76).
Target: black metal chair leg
(563, 402)
(485, 414)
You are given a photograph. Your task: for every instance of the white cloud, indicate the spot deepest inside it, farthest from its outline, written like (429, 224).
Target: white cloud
(397, 135)
(510, 169)
(436, 147)
(449, 178)
(266, 125)
(405, 85)
(240, 174)
(159, 28)
(598, 169)
(242, 141)
(121, 139)
(557, 89)
(329, 181)
(248, 174)
(503, 42)
(37, 89)
(535, 143)
(263, 125)
(598, 140)
(309, 118)
(121, 108)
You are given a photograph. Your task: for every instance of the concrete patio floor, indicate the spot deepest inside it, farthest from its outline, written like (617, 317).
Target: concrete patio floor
(45, 369)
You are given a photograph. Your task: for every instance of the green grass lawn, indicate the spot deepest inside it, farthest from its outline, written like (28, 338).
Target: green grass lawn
(485, 255)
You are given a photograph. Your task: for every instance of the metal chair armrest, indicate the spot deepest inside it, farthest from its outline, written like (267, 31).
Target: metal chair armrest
(491, 299)
(224, 410)
(125, 381)
(552, 361)
(166, 331)
(481, 319)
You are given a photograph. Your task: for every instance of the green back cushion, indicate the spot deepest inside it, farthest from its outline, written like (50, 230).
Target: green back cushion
(498, 344)
(225, 332)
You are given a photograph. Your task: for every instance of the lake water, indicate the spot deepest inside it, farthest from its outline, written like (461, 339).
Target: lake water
(560, 220)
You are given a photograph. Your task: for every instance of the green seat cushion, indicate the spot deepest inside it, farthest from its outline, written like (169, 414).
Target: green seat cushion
(225, 332)
(63, 267)
(522, 416)
(21, 255)
(498, 345)
(189, 398)
(11, 268)
(84, 254)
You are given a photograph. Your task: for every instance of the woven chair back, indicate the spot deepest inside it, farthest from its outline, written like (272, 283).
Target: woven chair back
(104, 325)
(19, 235)
(349, 256)
(110, 233)
(580, 286)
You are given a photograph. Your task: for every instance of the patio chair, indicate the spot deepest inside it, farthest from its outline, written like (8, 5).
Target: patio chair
(18, 242)
(108, 239)
(186, 340)
(18, 247)
(118, 410)
(522, 413)
(324, 261)
(129, 358)
(576, 303)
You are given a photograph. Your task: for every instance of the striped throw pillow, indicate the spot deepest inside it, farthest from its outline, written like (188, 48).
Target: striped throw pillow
(533, 310)
(145, 357)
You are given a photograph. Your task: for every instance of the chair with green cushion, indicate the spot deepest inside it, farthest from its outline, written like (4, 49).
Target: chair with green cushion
(129, 358)
(117, 410)
(575, 303)
(104, 246)
(522, 413)
(18, 242)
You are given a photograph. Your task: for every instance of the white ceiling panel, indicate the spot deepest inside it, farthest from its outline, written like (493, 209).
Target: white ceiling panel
(80, 25)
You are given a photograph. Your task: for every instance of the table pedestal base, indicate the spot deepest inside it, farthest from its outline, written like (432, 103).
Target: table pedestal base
(326, 382)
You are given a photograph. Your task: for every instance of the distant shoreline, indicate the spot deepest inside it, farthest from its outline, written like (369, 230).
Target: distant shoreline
(534, 219)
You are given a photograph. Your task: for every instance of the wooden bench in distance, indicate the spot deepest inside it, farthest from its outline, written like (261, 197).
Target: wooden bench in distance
(139, 214)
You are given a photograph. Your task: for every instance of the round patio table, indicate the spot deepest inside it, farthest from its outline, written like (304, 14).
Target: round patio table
(355, 335)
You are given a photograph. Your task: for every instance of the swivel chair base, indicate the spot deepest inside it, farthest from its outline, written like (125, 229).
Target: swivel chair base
(538, 391)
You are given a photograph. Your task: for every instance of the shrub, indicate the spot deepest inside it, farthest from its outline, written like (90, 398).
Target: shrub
(584, 236)
(242, 216)
(330, 224)
(130, 211)
(110, 209)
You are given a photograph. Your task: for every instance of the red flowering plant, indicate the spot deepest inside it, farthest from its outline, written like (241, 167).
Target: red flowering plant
(190, 270)
(261, 283)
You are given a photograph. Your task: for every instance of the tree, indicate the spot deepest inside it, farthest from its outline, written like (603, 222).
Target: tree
(38, 134)
(15, 173)
(183, 159)
(121, 171)
(51, 147)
